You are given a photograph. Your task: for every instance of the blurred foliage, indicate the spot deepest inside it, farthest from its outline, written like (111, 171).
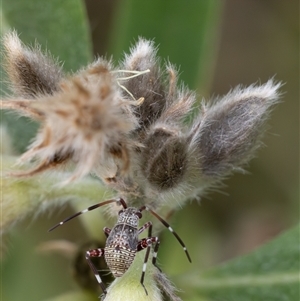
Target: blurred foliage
(38, 193)
(60, 27)
(198, 35)
(217, 45)
(269, 273)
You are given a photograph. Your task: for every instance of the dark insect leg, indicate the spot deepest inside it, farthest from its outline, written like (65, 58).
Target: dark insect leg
(148, 225)
(155, 254)
(96, 253)
(143, 228)
(169, 228)
(120, 201)
(146, 243)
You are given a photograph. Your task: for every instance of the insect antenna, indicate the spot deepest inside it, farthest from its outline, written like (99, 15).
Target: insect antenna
(170, 229)
(121, 201)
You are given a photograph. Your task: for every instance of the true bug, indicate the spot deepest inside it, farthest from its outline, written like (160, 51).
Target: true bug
(122, 242)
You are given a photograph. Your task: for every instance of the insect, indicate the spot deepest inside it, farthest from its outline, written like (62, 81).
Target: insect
(81, 271)
(122, 241)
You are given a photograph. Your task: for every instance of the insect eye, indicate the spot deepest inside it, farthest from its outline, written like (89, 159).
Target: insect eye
(139, 214)
(121, 211)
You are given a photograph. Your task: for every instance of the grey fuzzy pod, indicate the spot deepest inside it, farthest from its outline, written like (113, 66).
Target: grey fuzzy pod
(230, 128)
(31, 72)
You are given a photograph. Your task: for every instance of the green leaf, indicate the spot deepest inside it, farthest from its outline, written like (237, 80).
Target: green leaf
(58, 26)
(269, 273)
(20, 198)
(185, 33)
(75, 296)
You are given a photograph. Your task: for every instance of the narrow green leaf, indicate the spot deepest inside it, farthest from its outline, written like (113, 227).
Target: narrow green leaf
(186, 33)
(269, 273)
(59, 26)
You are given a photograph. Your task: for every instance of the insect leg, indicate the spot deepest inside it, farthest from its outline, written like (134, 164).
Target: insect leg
(169, 228)
(155, 253)
(106, 231)
(148, 226)
(95, 253)
(119, 201)
(146, 243)
(143, 228)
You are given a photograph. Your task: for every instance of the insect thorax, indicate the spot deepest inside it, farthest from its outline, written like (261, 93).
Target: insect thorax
(129, 217)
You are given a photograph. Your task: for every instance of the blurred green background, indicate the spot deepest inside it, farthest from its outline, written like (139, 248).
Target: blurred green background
(217, 45)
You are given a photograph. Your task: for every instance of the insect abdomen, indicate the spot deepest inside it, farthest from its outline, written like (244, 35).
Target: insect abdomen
(119, 258)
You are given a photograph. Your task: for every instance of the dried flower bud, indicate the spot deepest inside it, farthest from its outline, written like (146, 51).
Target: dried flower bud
(148, 85)
(228, 131)
(31, 72)
(86, 121)
(165, 158)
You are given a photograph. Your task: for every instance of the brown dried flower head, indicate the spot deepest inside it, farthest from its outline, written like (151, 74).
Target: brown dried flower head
(127, 123)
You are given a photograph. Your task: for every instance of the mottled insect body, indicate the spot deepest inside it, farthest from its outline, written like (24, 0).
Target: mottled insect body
(123, 243)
